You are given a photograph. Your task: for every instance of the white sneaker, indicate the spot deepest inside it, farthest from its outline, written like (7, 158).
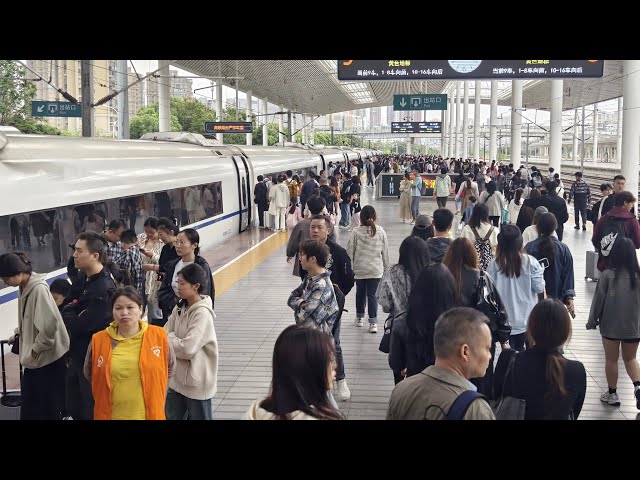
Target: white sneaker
(373, 328)
(359, 322)
(610, 398)
(343, 390)
(412, 222)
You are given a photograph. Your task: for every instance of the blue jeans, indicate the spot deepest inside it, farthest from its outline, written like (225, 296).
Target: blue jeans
(366, 290)
(345, 210)
(415, 206)
(335, 331)
(179, 407)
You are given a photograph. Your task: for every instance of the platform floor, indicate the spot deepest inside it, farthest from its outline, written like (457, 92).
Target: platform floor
(253, 311)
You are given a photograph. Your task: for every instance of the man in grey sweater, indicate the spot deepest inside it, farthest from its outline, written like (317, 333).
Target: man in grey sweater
(439, 243)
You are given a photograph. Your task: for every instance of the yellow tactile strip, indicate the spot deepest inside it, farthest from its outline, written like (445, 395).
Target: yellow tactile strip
(226, 278)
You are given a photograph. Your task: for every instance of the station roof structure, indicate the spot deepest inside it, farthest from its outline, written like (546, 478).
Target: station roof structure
(312, 86)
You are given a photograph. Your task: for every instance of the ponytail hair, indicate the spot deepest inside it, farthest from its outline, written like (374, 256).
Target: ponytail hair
(368, 218)
(294, 205)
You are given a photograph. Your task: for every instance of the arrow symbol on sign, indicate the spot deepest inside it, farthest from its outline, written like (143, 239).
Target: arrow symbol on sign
(53, 108)
(403, 103)
(415, 101)
(40, 109)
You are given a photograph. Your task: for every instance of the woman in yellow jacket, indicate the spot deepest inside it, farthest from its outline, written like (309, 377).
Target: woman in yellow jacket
(129, 364)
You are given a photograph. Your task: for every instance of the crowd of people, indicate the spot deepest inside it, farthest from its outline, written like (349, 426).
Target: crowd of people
(132, 336)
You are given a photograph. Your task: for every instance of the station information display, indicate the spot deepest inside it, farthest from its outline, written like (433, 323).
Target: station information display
(467, 69)
(416, 127)
(228, 127)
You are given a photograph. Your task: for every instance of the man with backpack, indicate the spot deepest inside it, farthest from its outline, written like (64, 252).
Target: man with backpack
(581, 193)
(556, 205)
(619, 221)
(443, 187)
(442, 391)
(536, 178)
(345, 195)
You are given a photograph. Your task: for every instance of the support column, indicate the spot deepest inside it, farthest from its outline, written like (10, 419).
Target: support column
(493, 125)
(619, 131)
(304, 128)
(516, 122)
(555, 140)
(290, 120)
(447, 127)
(249, 116)
(281, 125)
(476, 119)
(575, 137)
(265, 123)
(86, 81)
(465, 122)
(631, 124)
(595, 133)
(219, 136)
(164, 99)
(409, 146)
(123, 99)
(443, 146)
(456, 148)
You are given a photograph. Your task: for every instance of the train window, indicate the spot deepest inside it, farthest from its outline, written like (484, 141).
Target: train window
(47, 237)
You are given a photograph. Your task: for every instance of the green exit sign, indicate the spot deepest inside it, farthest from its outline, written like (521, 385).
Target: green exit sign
(420, 101)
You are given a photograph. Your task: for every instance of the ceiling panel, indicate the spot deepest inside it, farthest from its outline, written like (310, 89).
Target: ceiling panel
(310, 86)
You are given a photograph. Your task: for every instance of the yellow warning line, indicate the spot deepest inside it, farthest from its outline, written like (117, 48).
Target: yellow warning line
(228, 276)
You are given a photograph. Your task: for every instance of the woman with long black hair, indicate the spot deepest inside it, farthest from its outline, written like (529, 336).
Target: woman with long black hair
(393, 296)
(556, 259)
(552, 386)
(303, 369)
(433, 293)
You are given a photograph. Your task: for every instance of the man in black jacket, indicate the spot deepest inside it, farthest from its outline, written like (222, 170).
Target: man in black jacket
(260, 197)
(87, 313)
(557, 206)
(342, 277)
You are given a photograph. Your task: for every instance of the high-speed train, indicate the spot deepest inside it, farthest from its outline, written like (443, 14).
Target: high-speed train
(50, 187)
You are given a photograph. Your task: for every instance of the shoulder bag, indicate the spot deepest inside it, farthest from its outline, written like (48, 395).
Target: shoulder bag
(509, 407)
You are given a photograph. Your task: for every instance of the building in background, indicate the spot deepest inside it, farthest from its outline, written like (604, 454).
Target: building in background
(179, 87)
(65, 74)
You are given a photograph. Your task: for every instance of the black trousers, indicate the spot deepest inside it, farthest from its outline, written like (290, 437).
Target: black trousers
(261, 209)
(580, 209)
(79, 399)
(43, 392)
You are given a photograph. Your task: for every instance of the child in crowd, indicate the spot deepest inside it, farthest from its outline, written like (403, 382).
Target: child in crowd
(59, 290)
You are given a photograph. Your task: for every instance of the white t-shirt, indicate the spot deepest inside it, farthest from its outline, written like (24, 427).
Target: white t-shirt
(174, 281)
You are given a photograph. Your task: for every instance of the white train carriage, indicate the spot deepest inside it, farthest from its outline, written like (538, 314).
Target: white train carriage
(50, 188)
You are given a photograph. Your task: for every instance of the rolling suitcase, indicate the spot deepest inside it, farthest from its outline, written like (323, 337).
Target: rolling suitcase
(591, 270)
(9, 401)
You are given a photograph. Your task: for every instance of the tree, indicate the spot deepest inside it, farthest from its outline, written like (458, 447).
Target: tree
(192, 114)
(272, 133)
(16, 93)
(147, 120)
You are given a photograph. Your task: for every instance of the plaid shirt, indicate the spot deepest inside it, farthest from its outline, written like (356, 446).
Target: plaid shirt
(580, 189)
(132, 261)
(114, 251)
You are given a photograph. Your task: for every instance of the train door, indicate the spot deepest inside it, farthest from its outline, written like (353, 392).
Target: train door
(324, 164)
(244, 190)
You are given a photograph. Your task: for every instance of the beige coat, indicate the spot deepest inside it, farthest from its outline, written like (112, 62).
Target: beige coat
(405, 200)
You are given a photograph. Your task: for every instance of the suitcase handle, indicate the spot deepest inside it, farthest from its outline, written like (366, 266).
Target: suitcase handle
(4, 370)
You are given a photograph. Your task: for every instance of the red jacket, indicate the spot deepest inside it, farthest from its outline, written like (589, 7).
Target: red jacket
(631, 227)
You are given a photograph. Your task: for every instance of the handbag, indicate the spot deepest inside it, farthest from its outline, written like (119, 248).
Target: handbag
(15, 348)
(508, 407)
(385, 342)
(488, 301)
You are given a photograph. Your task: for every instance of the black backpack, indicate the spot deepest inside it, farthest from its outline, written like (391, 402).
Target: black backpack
(613, 228)
(483, 247)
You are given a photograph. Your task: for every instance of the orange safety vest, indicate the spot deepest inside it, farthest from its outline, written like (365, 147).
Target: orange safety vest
(154, 370)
